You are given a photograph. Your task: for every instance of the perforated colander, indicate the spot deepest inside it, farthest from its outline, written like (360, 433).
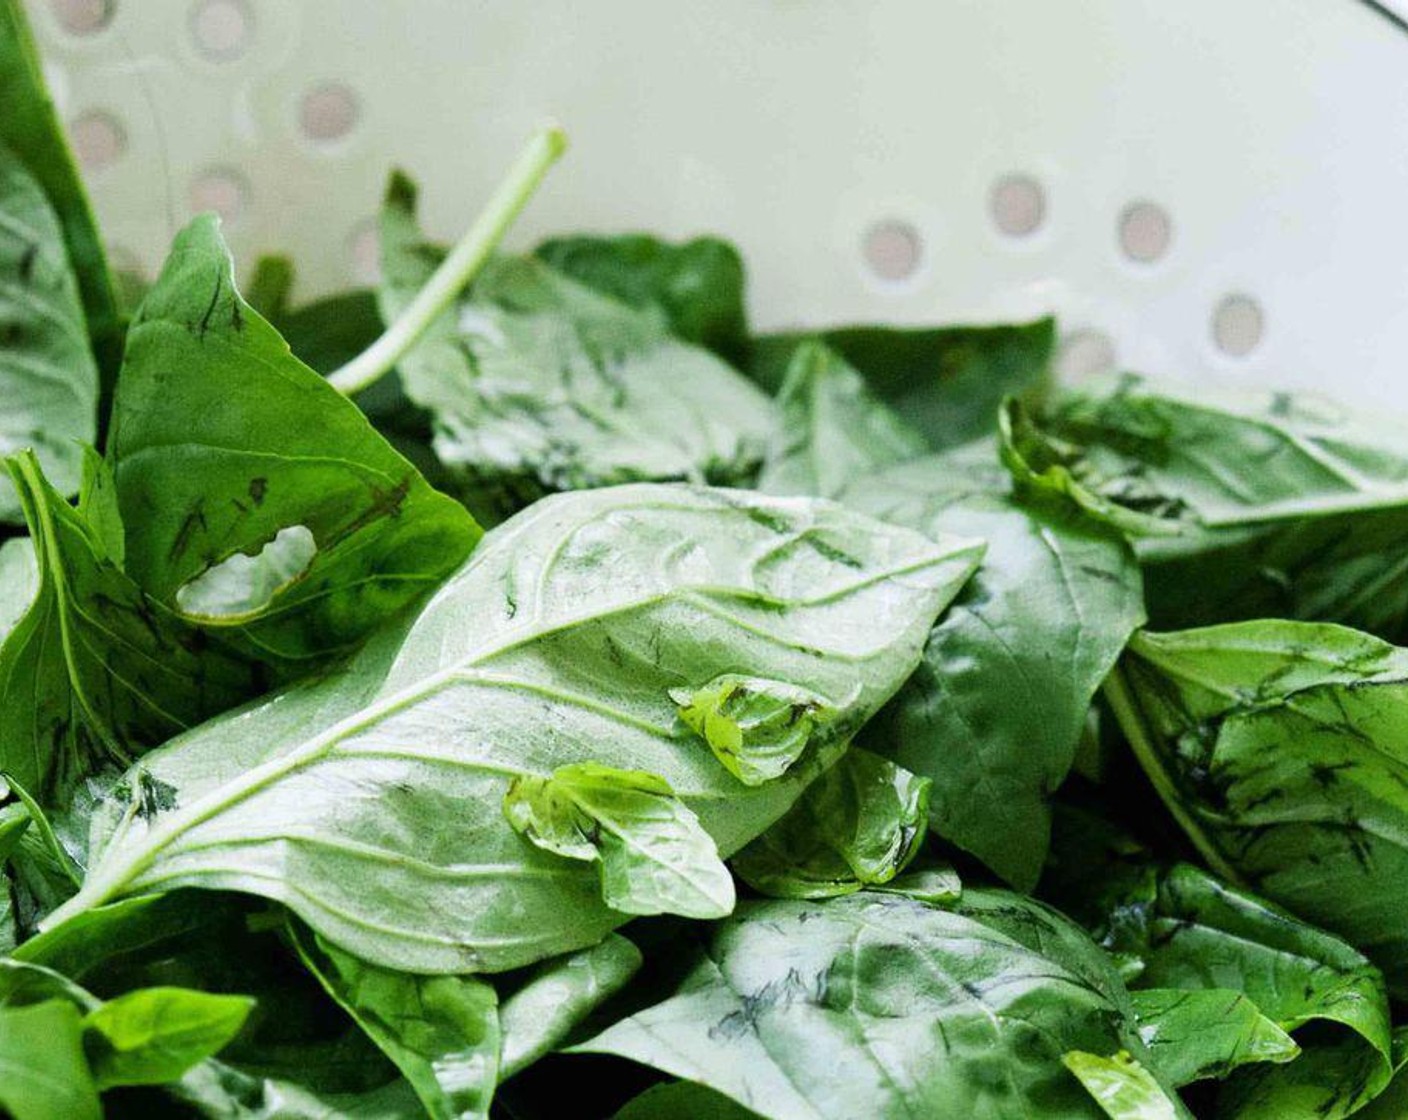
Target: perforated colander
(1206, 189)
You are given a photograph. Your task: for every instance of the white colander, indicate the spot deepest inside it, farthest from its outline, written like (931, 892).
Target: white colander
(1207, 189)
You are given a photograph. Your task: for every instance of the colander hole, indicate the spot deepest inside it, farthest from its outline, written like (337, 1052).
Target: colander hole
(1237, 325)
(893, 250)
(328, 112)
(222, 190)
(98, 139)
(1145, 230)
(364, 249)
(1018, 205)
(222, 29)
(83, 17)
(1085, 353)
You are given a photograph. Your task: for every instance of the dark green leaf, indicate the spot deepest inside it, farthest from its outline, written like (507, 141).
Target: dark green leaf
(441, 1031)
(95, 670)
(222, 439)
(881, 1006)
(995, 711)
(43, 1074)
(1179, 928)
(944, 381)
(675, 1100)
(858, 824)
(538, 384)
(696, 285)
(830, 428)
(558, 643)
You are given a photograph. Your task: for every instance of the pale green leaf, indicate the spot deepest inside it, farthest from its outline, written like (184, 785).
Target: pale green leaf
(1122, 1087)
(31, 128)
(654, 856)
(757, 728)
(539, 1016)
(556, 644)
(536, 383)
(48, 377)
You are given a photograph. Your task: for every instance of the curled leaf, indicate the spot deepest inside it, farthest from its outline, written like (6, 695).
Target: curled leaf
(655, 856)
(757, 728)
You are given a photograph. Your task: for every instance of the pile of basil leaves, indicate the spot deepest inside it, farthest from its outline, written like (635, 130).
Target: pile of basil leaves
(836, 724)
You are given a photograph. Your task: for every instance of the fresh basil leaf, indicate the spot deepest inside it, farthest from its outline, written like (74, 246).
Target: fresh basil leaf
(441, 1031)
(1285, 505)
(1392, 1104)
(947, 382)
(1044, 468)
(222, 1092)
(830, 428)
(558, 643)
(1279, 747)
(697, 286)
(155, 1035)
(96, 671)
(43, 1074)
(538, 384)
(1123, 1088)
(997, 707)
(857, 825)
(1198, 1033)
(222, 440)
(536, 1018)
(757, 728)
(1185, 930)
(48, 377)
(674, 1099)
(879, 1005)
(654, 856)
(31, 129)
(19, 582)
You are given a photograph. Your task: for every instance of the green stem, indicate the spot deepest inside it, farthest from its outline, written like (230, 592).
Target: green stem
(460, 267)
(1126, 709)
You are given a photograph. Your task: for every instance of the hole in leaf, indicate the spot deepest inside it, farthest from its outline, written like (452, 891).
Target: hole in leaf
(241, 586)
